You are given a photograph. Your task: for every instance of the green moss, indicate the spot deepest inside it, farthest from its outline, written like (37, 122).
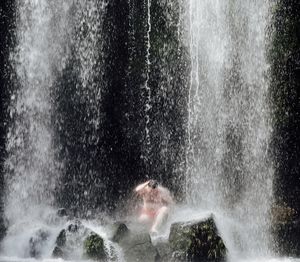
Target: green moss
(94, 247)
(199, 241)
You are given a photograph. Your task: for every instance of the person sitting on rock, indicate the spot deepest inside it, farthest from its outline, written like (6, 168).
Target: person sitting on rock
(157, 202)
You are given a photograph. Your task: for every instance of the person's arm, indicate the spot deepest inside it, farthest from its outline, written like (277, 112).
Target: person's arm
(139, 188)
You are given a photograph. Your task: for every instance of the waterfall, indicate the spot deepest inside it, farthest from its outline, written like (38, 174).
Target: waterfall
(32, 171)
(77, 98)
(228, 165)
(70, 53)
(46, 35)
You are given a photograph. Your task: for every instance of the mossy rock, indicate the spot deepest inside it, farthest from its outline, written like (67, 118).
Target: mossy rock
(197, 241)
(94, 247)
(69, 238)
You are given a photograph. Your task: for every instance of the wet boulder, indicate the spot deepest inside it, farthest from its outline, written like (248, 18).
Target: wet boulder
(164, 251)
(37, 242)
(57, 252)
(61, 238)
(135, 243)
(137, 246)
(94, 247)
(119, 231)
(196, 241)
(69, 242)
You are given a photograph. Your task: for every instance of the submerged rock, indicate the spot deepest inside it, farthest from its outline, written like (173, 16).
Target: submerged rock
(196, 241)
(94, 247)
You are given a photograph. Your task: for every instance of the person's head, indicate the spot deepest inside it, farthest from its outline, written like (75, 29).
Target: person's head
(153, 184)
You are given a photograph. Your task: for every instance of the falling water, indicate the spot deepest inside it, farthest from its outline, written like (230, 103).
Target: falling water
(229, 169)
(87, 43)
(45, 32)
(146, 85)
(31, 170)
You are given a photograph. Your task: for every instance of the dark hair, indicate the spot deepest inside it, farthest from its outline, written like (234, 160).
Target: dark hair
(153, 184)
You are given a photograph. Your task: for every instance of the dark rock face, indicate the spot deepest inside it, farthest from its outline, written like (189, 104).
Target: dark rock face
(288, 238)
(197, 241)
(94, 247)
(114, 148)
(7, 42)
(37, 241)
(286, 228)
(285, 91)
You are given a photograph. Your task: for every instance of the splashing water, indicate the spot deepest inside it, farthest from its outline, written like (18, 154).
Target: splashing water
(229, 169)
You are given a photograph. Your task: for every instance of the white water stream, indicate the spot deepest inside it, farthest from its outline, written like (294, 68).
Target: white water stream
(31, 169)
(45, 32)
(229, 169)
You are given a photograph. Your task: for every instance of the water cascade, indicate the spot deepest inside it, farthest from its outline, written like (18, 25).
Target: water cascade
(181, 95)
(32, 171)
(229, 169)
(46, 35)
